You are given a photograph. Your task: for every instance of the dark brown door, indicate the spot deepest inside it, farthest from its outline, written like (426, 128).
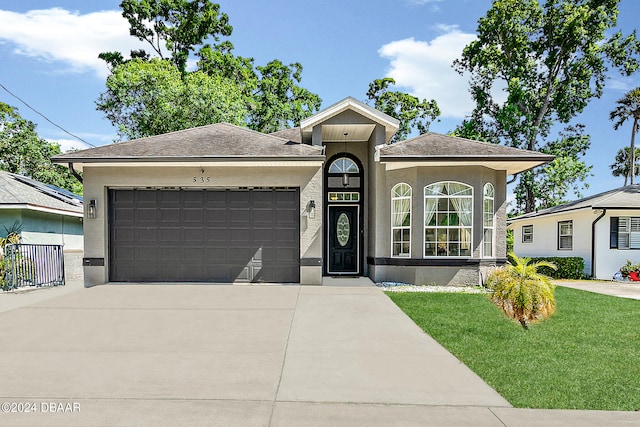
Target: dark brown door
(343, 241)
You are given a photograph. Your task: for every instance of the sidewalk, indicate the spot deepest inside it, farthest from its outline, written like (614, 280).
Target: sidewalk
(617, 289)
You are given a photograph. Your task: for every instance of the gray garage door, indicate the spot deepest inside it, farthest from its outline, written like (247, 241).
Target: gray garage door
(204, 235)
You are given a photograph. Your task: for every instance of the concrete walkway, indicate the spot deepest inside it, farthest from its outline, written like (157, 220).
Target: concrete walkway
(226, 355)
(617, 289)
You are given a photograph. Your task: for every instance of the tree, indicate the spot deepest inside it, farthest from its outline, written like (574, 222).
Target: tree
(551, 59)
(521, 292)
(270, 95)
(628, 108)
(278, 101)
(622, 162)
(177, 25)
(147, 98)
(412, 113)
(23, 152)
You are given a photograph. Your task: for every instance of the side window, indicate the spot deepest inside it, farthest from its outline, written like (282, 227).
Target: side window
(488, 220)
(401, 220)
(565, 235)
(527, 234)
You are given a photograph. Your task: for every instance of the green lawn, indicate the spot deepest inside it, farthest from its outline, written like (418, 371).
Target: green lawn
(587, 356)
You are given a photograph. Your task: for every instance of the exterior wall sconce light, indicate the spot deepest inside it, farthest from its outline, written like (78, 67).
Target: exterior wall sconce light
(92, 210)
(345, 179)
(311, 209)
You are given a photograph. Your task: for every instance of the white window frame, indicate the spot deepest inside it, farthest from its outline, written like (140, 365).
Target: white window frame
(488, 220)
(403, 198)
(527, 230)
(430, 213)
(565, 235)
(628, 232)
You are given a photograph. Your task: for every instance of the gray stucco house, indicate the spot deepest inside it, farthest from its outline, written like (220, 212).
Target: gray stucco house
(46, 215)
(221, 203)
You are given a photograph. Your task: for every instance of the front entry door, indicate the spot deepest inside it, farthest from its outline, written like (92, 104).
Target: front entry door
(343, 241)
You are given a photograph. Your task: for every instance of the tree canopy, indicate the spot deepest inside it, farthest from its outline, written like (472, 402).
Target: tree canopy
(628, 108)
(550, 59)
(143, 91)
(622, 163)
(413, 114)
(23, 152)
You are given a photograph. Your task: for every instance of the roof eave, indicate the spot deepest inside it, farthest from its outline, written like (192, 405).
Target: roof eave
(161, 159)
(516, 164)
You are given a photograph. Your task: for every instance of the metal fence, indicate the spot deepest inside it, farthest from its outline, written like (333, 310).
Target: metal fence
(33, 265)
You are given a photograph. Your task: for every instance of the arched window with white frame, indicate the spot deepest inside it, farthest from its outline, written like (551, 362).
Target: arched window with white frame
(401, 220)
(488, 220)
(448, 219)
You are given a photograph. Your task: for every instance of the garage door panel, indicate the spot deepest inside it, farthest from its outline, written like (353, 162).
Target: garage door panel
(192, 235)
(125, 215)
(192, 215)
(170, 235)
(168, 214)
(124, 235)
(204, 236)
(146, 235)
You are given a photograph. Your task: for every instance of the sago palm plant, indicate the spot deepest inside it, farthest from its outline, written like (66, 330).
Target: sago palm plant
(521, 292)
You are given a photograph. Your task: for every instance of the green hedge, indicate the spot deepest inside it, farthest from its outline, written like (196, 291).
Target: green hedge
(568, 267)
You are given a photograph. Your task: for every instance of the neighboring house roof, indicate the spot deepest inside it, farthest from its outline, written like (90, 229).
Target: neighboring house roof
(19, 192)
(220, 141)
(620, 198)
(448, 150)
(336, 132)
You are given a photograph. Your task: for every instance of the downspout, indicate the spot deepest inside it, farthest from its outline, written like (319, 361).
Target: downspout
(75, 173)
(593, 242)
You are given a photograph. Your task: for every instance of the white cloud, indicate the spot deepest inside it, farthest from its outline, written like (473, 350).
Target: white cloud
(75, 40)
(67, 145)
(424, 67)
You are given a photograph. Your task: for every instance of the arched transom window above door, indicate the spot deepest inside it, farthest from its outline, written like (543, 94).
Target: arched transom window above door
(343, 165)
(344, 172)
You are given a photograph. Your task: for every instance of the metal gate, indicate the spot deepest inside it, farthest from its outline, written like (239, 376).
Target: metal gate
(33, 265)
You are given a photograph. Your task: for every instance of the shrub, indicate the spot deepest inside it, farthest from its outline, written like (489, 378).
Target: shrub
(521, 292)
(628, 267)
(12, 237)
(566, 267)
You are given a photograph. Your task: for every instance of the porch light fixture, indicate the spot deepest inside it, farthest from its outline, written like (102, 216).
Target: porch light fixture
(345, 179)
(311, 209)
(92, 210)
(345, 175)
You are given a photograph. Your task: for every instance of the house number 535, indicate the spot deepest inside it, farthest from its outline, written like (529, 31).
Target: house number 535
(201, 179)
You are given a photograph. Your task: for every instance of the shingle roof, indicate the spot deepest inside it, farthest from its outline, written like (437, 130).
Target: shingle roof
(216, 141)
(620, 198)
(436, 148)
(435, 145)
(16, 190)
(292, 134)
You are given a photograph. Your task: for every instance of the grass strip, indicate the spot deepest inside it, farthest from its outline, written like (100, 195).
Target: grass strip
(586, 356)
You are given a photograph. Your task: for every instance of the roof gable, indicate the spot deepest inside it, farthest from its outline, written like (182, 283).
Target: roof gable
(390, 124)
(220, 140)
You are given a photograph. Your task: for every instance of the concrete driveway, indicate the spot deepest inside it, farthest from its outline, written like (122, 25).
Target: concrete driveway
(238, 356)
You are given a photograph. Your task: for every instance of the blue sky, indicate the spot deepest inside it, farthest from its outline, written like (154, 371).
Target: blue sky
(48, 57)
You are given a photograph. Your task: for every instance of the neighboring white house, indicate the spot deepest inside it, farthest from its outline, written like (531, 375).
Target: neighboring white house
(603, 229)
